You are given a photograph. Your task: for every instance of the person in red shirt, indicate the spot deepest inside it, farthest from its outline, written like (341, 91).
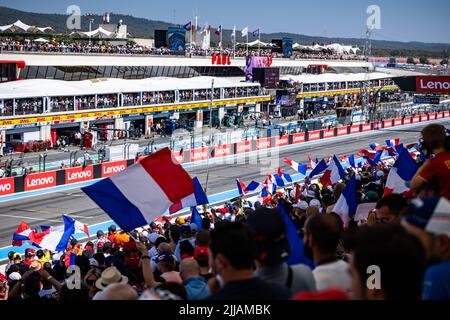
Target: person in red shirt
(436, 170)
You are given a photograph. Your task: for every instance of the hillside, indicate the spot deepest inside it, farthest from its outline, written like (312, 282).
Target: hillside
(144, 28)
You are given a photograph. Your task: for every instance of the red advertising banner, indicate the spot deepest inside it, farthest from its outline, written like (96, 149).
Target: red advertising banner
(424, 117)
(243, 147)
(367, 127)
(354, 129)
(377, 125)
(111, 168)
(281, 141)
(74, 175)
(263, 143)
(199, 154)
(328, 133)
(298, 138)
(440, 115)
(179, 156)
(6, 186)
(342, 131)
(446, 114)
(433, 84)
(40, 181)
(398, 122)
(407, 120)
(416, 119)
(432, 116)
(314, 135)
(222, 151)
(387, 123)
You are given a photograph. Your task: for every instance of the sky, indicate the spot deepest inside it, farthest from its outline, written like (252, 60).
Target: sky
(401, 20)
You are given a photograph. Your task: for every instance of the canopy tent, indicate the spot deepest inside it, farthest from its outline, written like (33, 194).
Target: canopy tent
(42, 40)
(97, 33)
(20, 27)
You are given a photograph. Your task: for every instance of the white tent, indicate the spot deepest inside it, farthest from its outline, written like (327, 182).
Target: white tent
(97, 33)
(258, 43)
(41, 40)
(19, 26)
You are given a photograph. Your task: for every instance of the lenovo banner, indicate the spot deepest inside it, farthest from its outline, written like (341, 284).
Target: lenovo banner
(446, 114)
(6, 186)
(314, 135)
(179, 156)
(407, 120)
(367, 127)
(263, 143)
(398, 122)
(111, 168)
(281, 141)
(433, 84)
(298, 138)
(388, 124)
(328, 133)
(222, 151)
(416, 119)
(354, 129)
(342, 131)
(423, 118)
(243, 147)
(40, 181)
(432, 116)
(79, 174)
(200, 154)
(440, 115)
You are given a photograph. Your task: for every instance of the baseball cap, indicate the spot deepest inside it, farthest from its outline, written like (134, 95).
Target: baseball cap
(201, 253)
(316, 203)
(14, 276)
(93, 262)
(165, 257)
(185, 228)
(17, 256)
(303, 205)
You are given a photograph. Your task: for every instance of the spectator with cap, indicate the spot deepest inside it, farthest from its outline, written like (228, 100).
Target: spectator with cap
(398, 258)
(29, 256)
(322, 236)
(195, 285)
(100, 241)
(167, 266)
(436, 169)
(201, 255)
(111, 233)
(232, 254)
(272, 252)
(428, 220)
(43, 256)
(186, 235)
(389, 209)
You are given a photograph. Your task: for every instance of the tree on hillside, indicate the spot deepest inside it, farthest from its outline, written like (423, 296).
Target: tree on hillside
(410, 60)
(424, 60)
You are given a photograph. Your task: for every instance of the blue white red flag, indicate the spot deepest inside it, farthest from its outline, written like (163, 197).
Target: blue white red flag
(297, 167)
(404, 170)
(347, 204)
(143, 192)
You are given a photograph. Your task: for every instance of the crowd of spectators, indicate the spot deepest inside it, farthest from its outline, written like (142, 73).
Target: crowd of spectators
(241, 250)
(131, 48)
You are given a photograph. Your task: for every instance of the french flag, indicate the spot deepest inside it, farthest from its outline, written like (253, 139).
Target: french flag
(312, 163)
(333, 174)
(196, 218)
(143, 192)
(351, 161)
(241, 187)
(404, 170)
(367, 153)
(21, 236)
(393, 143)
(79, 227)
(281, 179)
(271, 186)
(297, 167)
(321, 167)
(371, 162)
(54, 238)
(219, 30)
(258, 187)
(193, 200)
(346, 205)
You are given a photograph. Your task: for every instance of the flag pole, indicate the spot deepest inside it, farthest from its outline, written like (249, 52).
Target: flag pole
(221, 39)
(247, 42)
(259, 44)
